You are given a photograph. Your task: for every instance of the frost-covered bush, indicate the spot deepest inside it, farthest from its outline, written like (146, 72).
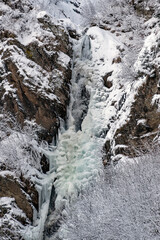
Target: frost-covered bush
(107, 11)
(45, 3)
(124, 205)
(148, 59)
(118, 16)
(125, 11)
(146, 4)
(10, 225)
(19, 148)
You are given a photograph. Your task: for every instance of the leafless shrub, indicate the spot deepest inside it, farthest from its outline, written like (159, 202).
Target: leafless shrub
(123, 205)
(20, 148)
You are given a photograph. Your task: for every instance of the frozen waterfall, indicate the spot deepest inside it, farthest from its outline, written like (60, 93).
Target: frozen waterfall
(77, 158)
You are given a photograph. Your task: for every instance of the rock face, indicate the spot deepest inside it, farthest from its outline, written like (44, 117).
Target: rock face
(144, 121)
(137, 135)
(12, 188)
(141, 130)
(18, 198)
(35, 53)
(35, 73)
(28, 97)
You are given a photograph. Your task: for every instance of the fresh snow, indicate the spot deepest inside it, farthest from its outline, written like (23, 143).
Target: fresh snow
(12, 212)
(141, 121)
(77, 158)
(63, 59)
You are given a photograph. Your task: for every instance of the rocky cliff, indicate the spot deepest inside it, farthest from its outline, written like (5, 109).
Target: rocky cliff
(140, 131)
(35, 73)
(36, 51)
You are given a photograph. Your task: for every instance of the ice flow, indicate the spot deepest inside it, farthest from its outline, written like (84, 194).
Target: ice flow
(77, 157)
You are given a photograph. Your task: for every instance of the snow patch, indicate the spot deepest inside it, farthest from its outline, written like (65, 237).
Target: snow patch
(141, 121)
(156, 100)
(63, 59)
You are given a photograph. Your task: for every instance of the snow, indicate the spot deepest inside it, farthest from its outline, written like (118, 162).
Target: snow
(141, 121)
(19, 158)
(10, 204)
(59, 9)
(12, 212)
(149, 134)
(41, 14)
(6, 173)
(77, 158)
(105, 46)
(63, 59)
(8, 88)
(36, 78)
(120, 146)
(5, 200)
(69, 11)
(147, 59)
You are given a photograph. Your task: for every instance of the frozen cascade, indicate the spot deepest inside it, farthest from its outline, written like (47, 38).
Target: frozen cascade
(77, 158)
(44, 187)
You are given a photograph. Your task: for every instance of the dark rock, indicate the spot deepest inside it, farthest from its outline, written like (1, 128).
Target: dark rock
(107, 83)
(107, 153)
(73, 34)
(44, 164)
(29, 188)
(117, 60)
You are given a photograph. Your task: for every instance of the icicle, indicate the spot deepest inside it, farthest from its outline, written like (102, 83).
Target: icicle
(86, 48)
